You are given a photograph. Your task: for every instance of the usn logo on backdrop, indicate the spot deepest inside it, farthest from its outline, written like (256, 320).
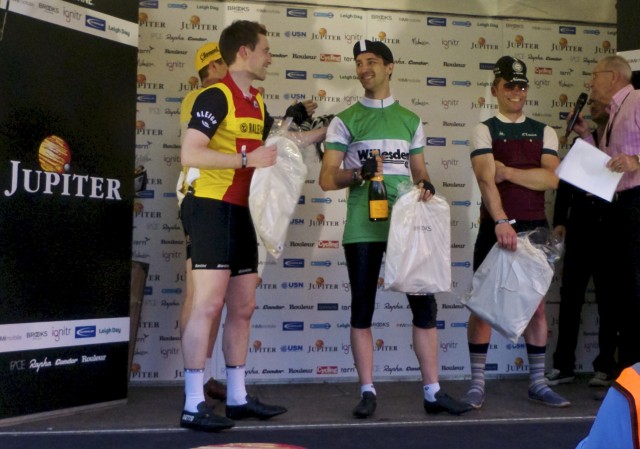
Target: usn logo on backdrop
(56, 177)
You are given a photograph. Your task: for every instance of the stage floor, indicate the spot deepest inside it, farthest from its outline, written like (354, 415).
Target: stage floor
(320, 412)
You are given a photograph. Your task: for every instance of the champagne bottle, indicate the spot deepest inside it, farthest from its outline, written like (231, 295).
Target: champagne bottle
(378, 201)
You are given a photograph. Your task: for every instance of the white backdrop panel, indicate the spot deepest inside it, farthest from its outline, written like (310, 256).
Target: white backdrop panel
(300, 329)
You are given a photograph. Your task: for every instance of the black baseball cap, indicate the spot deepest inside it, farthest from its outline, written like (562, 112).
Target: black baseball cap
(511, 69)
(376, 47)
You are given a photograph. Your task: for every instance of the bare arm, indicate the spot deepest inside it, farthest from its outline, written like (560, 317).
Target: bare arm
(419, 173)
(484, 168)
(311, 136)
(332, 177)
(539, 179)
(196, 153)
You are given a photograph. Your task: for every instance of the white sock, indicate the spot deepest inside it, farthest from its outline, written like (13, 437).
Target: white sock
(207, 370)
(193, 392)
(236, 390)
(367, 387)
(430, 391)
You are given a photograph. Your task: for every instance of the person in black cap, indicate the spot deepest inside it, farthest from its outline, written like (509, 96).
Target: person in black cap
(514, 159)
(378, 122)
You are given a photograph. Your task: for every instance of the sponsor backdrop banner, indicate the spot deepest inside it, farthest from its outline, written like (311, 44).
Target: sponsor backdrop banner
(300, 329)
(66, 189)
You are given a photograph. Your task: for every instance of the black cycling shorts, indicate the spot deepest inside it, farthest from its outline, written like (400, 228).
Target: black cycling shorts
(363, 264)
(220, 235)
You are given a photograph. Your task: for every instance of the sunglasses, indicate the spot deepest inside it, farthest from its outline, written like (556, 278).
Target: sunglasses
(516, 86)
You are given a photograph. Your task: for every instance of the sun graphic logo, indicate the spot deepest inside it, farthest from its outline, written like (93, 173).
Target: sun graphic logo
(56, 178)
(54, 155)
(563, 98)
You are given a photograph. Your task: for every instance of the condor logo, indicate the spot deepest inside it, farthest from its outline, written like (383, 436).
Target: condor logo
(296, 12)
(296, 75)
(567, 30)
(95, 23)
(85, 331)
(148, 4)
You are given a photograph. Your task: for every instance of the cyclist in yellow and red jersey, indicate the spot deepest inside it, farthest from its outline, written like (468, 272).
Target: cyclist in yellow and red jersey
(221, 148)
(212, 69)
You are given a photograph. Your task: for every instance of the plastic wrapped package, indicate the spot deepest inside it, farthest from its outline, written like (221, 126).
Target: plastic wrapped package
(418, 256)
(275, 192)
(508, 286)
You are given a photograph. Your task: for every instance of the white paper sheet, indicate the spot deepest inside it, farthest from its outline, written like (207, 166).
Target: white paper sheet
(584, 166)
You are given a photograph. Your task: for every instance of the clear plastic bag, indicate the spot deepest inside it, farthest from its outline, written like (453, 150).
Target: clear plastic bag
(508, 286)
(275, 191)
(418, 256)
(545, 241)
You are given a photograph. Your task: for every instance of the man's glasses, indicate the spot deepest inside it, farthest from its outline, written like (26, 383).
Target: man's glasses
(516, 86)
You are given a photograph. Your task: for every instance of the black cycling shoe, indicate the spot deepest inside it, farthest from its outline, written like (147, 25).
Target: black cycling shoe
(445, 403)
(366, 406)
(254, 409)
(204, 419)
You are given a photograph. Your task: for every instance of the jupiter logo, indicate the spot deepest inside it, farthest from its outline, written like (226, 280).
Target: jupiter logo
(54, 157)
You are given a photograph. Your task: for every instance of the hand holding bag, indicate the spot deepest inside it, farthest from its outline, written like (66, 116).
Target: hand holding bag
(418, 256)
(275, 192)
(508, 287)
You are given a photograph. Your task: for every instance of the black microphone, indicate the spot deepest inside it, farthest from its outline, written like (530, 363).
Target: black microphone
(582, 100)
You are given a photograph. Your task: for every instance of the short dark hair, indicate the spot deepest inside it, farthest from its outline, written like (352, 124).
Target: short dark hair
(239, 33)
